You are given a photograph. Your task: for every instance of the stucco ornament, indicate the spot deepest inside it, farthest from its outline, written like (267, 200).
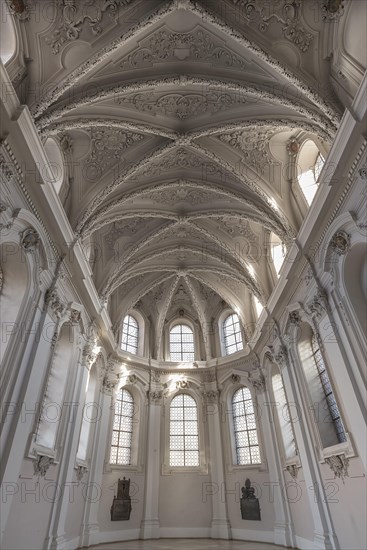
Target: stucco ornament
(54, 302)
(339, 465)
(332, 10)
(80, 472)
(30, 240)
(73, 16)
(41, 464)
(340, 242)
(285, 12)
(293, 470)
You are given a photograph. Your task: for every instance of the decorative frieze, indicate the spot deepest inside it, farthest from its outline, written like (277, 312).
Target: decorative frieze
(339, 465)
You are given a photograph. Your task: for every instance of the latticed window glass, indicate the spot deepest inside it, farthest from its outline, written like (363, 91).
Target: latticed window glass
(245, 432)
(328, 391)
(130, 335)
(181, 343)
(122, 430)
(232, 334)
(184, 436)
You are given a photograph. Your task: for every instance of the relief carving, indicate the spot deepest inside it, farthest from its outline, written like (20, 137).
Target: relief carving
(339, 465)
(41, 464)
(286, 12)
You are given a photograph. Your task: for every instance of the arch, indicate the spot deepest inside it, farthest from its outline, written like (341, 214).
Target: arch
(181, 342)
(309, 165)
(258, 306)
(184, 432)
(247, 446)
(56, 163)
(122, 430)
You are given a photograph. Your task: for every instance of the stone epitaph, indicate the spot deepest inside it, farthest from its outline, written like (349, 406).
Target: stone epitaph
(121, 505)
(250, 507)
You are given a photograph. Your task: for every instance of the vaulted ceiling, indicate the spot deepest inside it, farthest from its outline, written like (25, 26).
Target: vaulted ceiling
(174, 119)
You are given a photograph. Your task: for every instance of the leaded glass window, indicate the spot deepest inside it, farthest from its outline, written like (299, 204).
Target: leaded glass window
(181, 343)
(328, 391)
(130, 335)
(122, 430)
(245, 432)
(232, 334)
(184, 436)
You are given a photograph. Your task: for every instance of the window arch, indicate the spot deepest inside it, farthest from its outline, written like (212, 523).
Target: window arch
(181, 343)
(130, 335)
(183, 432)
(232, 334)
(284, 418)
(310, 163)
(244, 425)
(8, 35)
(122, 430)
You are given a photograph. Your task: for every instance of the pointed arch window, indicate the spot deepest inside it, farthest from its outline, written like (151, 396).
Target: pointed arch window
(245, 432)
(130, 335)
(232, 334)
(122, 431)
(184, 434)
(181, 343)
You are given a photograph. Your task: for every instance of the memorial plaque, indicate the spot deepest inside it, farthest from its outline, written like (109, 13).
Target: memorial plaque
(121, 506)
(250, 506)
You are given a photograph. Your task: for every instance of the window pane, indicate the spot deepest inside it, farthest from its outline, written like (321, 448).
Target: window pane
(184, 440)
(181, 343)
(246, 438)
(122, 429)
(130, 335)
(232, 334)
(328, 392)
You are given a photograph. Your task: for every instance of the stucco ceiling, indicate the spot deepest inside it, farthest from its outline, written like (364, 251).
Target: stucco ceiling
(174, 119)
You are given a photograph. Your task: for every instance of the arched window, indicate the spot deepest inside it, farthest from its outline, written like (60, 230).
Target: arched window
(184, 436)
(8, 42)
(130, 335)
(232, 334)
(181, 343)
(328, 392)
(284, 417)
(278, 252)
(310, 163)
(122, 431)
(245, 433)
